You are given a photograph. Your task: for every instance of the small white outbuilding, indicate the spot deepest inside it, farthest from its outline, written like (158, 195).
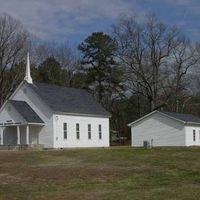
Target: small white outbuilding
(165, 129)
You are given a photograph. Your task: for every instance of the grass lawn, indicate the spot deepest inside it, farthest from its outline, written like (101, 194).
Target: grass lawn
(105, 173)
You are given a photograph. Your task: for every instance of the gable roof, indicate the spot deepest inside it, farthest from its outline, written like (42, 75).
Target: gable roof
(181, 117)
(26, 111)
(187, 118)
(68, 100)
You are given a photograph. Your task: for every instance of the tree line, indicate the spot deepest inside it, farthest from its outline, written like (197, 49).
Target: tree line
(137, 68)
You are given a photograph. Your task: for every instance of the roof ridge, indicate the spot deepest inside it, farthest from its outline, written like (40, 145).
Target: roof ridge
(178, 113)
(61, 86)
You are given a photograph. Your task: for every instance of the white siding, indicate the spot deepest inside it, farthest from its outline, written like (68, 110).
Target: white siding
(83, 122)
(34, 134)
(46, 133)
(162, 130)
(189, 135)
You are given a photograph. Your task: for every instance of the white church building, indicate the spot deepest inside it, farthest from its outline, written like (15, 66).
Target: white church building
(57, 117)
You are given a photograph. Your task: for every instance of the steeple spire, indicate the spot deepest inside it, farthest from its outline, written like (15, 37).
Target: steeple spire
(28, 71)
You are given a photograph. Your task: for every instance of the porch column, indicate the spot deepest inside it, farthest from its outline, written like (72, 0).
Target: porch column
(1, 135)
(18, 134)
(27, 134)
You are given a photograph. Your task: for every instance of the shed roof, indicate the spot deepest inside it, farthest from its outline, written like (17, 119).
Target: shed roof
(181, 117)
(26, 111)
(68, 100)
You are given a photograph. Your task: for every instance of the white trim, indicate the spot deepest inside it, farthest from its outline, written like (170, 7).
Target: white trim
(18, 134)
(192, 123)
(27, 134)
(20, 124)
(42, 124)
(81, 114)
(1, 135)
(145, 116)
(9, 124)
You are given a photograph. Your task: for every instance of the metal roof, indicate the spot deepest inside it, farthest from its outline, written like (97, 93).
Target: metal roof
(69, 100)
(26, 111)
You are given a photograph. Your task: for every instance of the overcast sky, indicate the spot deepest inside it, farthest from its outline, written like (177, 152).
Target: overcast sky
(73, 20)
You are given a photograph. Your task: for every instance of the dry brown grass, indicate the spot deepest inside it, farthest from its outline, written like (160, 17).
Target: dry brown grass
(113, 173)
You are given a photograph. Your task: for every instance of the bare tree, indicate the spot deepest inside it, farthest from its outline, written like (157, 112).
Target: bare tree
(183, 59)
(67, 58)
(196, 76)
(144, 50)
(13, 43)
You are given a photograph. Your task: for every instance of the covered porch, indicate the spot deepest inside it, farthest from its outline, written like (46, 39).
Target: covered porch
(19, 124)
(19, 134)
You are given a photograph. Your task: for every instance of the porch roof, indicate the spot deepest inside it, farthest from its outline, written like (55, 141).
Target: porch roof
(26, 112)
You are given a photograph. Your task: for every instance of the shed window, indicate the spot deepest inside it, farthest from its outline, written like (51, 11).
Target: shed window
(77, 131)
(65, 130)
(89, 131)
(194, 135)
(100, 131)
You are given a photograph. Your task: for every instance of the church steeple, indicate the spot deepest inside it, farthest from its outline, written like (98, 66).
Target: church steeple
(28, 71)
